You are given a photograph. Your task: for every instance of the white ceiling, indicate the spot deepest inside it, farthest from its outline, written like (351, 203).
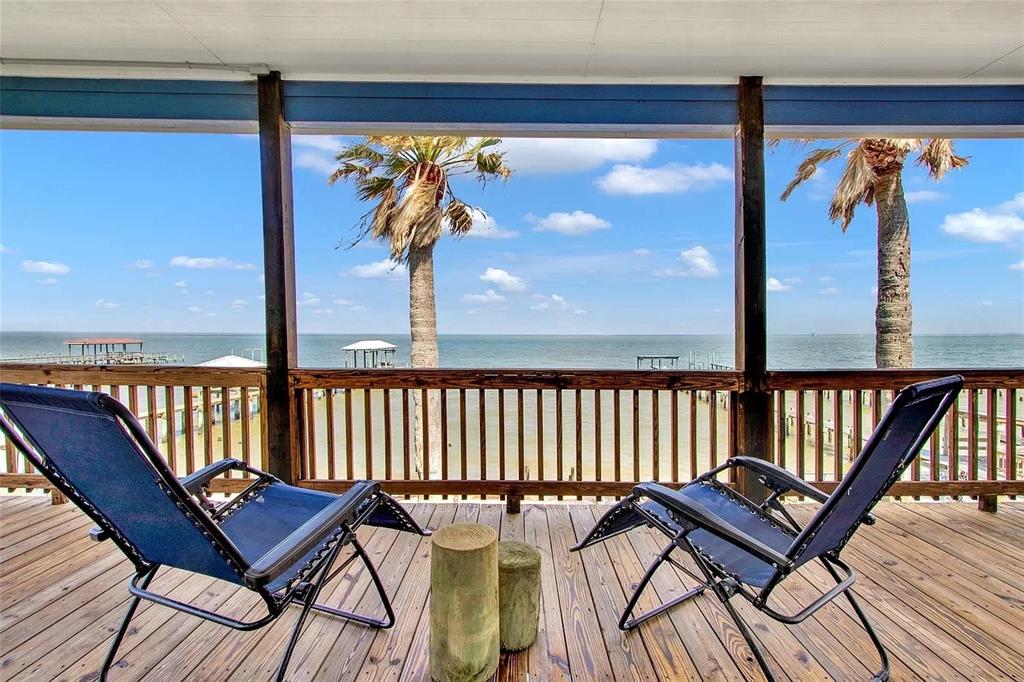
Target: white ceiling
(881, 41)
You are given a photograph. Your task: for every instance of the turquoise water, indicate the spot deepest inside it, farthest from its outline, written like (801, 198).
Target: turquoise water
(613, 352)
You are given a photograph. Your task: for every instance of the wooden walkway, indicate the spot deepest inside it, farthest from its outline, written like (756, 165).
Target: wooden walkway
(944, 585)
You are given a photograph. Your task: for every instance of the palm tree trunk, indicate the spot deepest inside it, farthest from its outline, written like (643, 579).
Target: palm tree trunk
(893, 343)
(423, 329)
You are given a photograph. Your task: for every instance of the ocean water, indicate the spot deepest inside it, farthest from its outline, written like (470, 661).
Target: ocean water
(610, 352)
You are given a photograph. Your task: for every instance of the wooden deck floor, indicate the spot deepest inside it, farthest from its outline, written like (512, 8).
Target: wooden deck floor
(944, 585)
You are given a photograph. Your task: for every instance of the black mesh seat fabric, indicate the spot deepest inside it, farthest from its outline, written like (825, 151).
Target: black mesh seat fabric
(271, 515)
(730, 558)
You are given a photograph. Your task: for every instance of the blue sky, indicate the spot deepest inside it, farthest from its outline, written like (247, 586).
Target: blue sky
(161, 232)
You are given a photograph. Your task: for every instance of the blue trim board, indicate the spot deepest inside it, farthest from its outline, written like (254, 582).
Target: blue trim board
(128, 99)
(492, 104)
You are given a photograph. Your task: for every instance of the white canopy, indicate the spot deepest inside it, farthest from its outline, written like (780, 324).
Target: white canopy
(374, 344)
(232, 361)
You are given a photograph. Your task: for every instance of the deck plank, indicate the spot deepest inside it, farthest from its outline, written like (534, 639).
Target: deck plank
(941, 581)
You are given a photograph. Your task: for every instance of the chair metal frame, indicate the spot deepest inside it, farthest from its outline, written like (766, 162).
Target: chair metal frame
(327, 533)
(684, 516)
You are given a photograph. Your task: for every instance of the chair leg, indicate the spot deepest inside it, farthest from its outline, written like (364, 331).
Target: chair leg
(755, 647)
(307, 604)
(123, 630)
(883, 674)
(389, 618)
(625, 623)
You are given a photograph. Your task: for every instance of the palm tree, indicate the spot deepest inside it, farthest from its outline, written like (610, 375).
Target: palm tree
(409, 179)
(874, 175)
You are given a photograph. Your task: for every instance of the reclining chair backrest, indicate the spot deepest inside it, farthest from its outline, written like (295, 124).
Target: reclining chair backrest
(907, 424)
(90, 446)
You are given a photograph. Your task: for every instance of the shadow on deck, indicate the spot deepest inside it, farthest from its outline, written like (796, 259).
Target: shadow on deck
(943, 583)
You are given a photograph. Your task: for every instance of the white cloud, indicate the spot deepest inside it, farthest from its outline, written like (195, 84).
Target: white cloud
(921, 196)
(503, 280)
(309, 298)
(573, 224)
(141, 264)
(486, 227)
(825, 279)
(382, 269)
(6, 249)
(1000, 224)
(562, 155)
(697, 262)
(829, 291)
(777, 285)
(194, 309)
(671, 178)
(208, 262)
(489, 296)
(47, 281)
(344, 302)
(642, 252)
(316, 152)
(239, 304)
(107, 305)
(45, 267)
(1019, 265)
(552, 302)
(985, 304)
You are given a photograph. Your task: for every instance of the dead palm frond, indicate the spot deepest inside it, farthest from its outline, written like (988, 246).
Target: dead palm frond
(866, 162)
(408, 177)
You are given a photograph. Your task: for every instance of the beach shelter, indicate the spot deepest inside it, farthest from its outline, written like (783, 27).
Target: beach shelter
(232, 361)
(373, 353)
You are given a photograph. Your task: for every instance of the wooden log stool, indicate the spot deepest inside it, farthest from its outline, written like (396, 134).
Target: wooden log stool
(464, 603)
(518, 594)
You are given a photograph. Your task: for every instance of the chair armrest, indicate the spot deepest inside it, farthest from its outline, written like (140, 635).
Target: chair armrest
(196, 481)
(306, 537)
(779, 479)
(700, 517)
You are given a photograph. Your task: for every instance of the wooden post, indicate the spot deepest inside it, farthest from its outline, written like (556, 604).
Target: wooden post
(281, 410)
(752, 414)
(988, 503)
(518, 594)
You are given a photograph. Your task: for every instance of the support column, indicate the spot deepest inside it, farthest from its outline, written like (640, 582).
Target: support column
(752, 411)
(281, 411)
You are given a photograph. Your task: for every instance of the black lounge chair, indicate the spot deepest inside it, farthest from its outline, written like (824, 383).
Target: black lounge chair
(744, 548)
(275, 539)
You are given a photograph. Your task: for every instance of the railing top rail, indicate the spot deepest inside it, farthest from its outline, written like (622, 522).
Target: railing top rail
(122, 375)
(875, 379)
(592, 379)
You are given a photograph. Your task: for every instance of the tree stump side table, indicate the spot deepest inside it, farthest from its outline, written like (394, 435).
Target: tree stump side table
(518, 594)
(464, 644)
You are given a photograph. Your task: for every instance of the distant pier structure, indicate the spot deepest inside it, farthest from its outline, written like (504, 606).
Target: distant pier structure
(371, 354)
(101, 350)
(657, 361)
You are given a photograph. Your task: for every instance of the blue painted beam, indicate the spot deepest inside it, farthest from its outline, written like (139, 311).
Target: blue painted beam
(459, 104)
(127, 99)
(957, 106)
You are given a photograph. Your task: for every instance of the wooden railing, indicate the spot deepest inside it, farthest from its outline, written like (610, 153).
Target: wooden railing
(195, 415)
(553, 434)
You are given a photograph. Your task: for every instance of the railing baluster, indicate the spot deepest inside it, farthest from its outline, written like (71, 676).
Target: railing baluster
(444, 437)
(406, 451)
(501, 434)
(579, 438)
(933, 456)
(636, 435)
(1011, 434)
(307, 461)
(481, 400)
(225, 412)
(463, 455)
(350, 457)
(598, 454)
(243, 414)
(655, 436)
(801, 443)
(559, 472)
(991, 436)
(329, 426)
(207, 426)
(712, 429)
(693, 435)
(521, 430)
(780, 430)
(540, 437)
(188, 428)
(953, 442)
(387, 434)
(368, 432)
(170, 450)
(972, 434)
(425, 421)
(674, 438)
(838, 436)
(819, 445)
(617, 430)
(11, 456)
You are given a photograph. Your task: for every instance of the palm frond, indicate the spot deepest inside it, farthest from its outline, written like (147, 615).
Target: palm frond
(939, 158)
(854, 187)
(808, 167)
(459, 217)
(373, 187)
